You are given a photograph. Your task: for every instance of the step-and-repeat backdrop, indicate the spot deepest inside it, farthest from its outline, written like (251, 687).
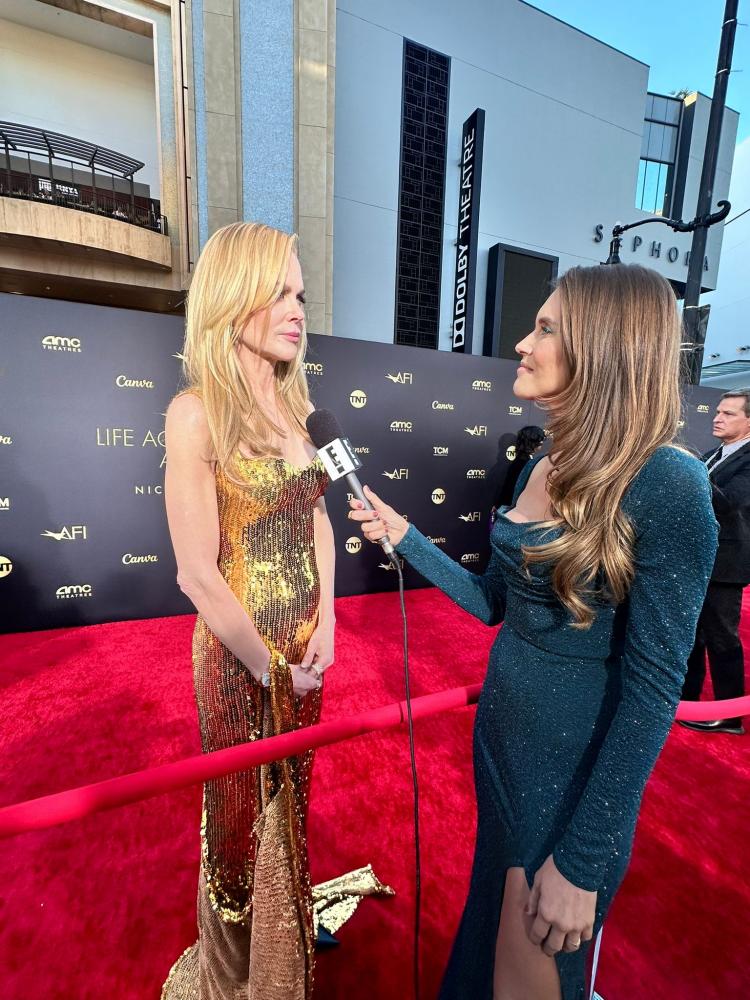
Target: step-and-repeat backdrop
(83, 392)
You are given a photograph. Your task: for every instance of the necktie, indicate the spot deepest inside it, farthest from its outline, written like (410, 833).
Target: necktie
(714, 458)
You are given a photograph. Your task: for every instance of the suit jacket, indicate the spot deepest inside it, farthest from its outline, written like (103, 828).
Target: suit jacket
(730, 486)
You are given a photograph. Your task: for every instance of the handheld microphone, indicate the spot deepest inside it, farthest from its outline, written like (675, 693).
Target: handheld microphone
(338, 457)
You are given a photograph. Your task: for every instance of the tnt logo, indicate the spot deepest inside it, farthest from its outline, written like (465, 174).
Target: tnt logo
(51, 343)
(438, 495)
(71, 534)
(358, 398)
(478, 430)
(353, 545)
(475, 515)
(6, 566)
(397, 474)
(75, 590)
(515, 411)
(481, 385)
(510, 453)
(401, 378)
(470, 557)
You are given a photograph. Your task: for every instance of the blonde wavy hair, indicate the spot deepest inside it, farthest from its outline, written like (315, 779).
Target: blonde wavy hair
(621, 335)
(241, 271)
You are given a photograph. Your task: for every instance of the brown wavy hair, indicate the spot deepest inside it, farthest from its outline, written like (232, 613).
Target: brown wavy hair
(621, 335)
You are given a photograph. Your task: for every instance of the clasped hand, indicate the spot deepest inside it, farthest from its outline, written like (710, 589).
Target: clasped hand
(558, 915)
(308, 675)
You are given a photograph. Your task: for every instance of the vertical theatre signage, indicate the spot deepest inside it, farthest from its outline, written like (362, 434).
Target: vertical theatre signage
(472, 144)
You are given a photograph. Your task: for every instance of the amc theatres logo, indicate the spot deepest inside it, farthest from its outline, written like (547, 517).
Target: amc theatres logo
(481, 385)
(130, 560)
(702, 408)
(6, 566)
(510, 453)
(439, 450)
(470, 557)
(76, 532)
(476, 474)
(123, 382)
(51, 343)
(74, 590)
(397, 474)
(478, 430)
(313, 368)
(353, 545)
(438, 495)
(5, 440)
(437, 539)
(515, 411)
(401, 378)
(358, 398)
(401, 426)
(437, 405)
(476, 515)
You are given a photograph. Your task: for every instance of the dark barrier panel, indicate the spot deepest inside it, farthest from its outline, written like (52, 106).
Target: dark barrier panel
(83, 391)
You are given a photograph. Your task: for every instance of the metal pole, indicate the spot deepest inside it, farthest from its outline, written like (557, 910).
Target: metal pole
(706, 191)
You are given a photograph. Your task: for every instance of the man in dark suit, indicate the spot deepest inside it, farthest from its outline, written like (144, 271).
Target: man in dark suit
(717, 632)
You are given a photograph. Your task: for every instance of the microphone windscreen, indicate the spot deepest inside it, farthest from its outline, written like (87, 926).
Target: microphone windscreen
(323, 428)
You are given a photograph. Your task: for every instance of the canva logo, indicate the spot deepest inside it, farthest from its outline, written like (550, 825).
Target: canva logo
(4, 439)
(401, 378)
(402, 426)
(437, 405)
(397, 474)
(74, 590)
(437, 539)
(438, 495)
(51, 343)
(358, 398)
(476, 474)
(439, 449)
(149, 490)
(470, 557)
(478, 430)
(510, 452)
(123, 382)
(353, 545)
(76, 532)
(6, 566)
(129, 559)
(313, 368)
(515, 411)
(481, 385)
(475, 515)
(362, 451)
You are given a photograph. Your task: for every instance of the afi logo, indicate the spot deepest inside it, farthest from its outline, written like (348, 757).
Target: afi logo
(404, 426)
(478, 430)
(67, 534)
(515, 411)
(353, 545)
(61, 344)
(358, 398)
(476, 515)
(389, 566)
(75, 590)
(481, 385)
(401, 378)
(397, 474)
(438, 495)
(703, 408)
(470, 557)
(476, 473)
(6, 566)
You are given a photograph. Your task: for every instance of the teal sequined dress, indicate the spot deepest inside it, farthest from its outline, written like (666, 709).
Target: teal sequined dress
(570, 723)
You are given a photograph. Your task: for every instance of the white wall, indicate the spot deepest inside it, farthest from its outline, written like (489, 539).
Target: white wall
(564, 119)
(81, 91)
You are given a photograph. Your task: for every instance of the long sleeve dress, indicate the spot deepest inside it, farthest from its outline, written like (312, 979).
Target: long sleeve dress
(570, 722)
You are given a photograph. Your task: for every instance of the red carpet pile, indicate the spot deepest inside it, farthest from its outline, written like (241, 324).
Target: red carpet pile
(102, 907)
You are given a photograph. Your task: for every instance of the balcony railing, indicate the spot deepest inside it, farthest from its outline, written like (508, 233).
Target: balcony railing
(49, 167)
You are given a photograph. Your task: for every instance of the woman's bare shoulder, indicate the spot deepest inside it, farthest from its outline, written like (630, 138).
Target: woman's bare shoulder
(186, 418)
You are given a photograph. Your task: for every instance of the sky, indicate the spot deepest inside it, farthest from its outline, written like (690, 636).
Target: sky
(678, 39)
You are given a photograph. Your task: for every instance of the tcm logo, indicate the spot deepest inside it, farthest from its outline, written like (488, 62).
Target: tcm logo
(129, 559)
(4, 503)
(438, 495)
(123, 382)
(358, 398)
(403, 426)
(389, 566)
(476, 515)
(401, 378)
(510, 453)
(437, 539)
(437, 405)
(71, 534)
(353, 545)
(470, 557)
(6, 566)
(51, 343)
(515, 411)
(476, 474)
(703, 408)
(75, 590)
(362, 451)
(5, 440)
(478, 430)
(481, 385)
(313, 368)
(397, 474)
(439, 449)
(148, 490)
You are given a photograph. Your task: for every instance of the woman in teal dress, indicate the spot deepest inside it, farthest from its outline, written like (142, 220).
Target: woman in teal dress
(598, 572)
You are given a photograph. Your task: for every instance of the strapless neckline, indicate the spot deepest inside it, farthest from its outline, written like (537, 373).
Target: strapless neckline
(283, 461)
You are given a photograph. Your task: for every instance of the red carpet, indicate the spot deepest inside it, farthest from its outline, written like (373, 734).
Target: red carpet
(101, 907)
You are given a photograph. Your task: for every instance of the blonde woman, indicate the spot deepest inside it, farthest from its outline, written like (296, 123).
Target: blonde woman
(599, 570)
(255, 555)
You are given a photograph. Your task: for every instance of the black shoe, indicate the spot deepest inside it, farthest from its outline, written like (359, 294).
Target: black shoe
(733, 726)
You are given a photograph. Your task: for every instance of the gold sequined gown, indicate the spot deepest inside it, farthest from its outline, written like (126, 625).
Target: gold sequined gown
(255, 920)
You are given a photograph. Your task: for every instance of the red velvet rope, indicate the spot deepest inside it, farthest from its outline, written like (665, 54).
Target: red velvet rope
(52, 810)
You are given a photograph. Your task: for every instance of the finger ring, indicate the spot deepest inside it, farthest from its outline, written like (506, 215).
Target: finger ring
(576, 944)
(315, 670)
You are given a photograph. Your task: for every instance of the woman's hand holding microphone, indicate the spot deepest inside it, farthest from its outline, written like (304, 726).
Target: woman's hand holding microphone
(383, 520)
